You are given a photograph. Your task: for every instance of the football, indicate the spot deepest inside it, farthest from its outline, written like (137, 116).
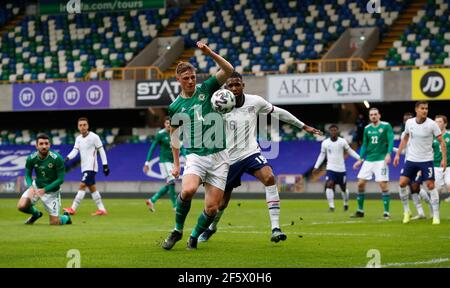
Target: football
(223, 101)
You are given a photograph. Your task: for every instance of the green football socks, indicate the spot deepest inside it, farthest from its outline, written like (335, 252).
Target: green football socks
(204, 220)
(33, 211)
(182, 210)
(172, 195)
(386, 200)
(63, 219)
(160, 193)
(360, 199)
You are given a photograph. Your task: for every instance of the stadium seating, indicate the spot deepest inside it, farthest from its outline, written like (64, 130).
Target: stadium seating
(271, 35)
(426, 41)
(58, 136)
(69, 46)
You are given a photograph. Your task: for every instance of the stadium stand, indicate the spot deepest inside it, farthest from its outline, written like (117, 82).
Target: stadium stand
(426, 41)
(264, 36)
(69, 46)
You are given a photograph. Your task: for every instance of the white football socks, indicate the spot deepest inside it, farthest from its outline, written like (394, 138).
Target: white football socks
(416, 199)
(330, 197)
(76, 202)
(273, 203)
(98, 200)
(404, 197)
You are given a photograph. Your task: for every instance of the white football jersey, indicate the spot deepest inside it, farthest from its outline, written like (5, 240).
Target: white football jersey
(241, 127)
(420, 144)
(334, 152)
(88, 147)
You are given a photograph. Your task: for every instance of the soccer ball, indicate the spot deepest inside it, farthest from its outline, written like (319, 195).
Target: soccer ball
(223, 101)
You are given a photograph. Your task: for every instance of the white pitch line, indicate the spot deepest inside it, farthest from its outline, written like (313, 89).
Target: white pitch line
(429, 262)
(335, 222)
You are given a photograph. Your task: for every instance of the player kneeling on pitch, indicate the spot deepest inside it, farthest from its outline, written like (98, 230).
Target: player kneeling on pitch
(49, 169)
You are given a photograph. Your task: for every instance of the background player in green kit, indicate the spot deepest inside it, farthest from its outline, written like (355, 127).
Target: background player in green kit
(378, 142)
(442, 177)
(207, 160)
(165, 165)
(49, 169)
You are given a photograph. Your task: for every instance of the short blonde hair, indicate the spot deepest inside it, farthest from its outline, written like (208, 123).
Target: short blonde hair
(183, 67)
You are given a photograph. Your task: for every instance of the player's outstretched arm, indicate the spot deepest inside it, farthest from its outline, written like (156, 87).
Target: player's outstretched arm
(225, 67)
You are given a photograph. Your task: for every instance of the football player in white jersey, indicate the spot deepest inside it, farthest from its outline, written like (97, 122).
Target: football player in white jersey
(414, 185)
(420, 132)
(333, 149)
(88, 143)
(245, 153)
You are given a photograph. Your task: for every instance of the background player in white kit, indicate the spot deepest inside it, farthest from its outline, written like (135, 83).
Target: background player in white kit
(333, 149)
(245, 153)
(419, 133)
(88, 143)
(416, 192)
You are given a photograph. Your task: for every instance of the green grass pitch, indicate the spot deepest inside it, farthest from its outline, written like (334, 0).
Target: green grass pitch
(130, 236)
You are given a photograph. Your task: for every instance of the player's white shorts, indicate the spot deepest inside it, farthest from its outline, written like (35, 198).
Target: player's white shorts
(212, 169)
(166, 171)
(377, 168)
(441, 178)
(51, 201)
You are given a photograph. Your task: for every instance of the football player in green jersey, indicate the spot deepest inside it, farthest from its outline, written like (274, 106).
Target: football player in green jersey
(442, 177)
(49, 169)
(207, 160)
(378, 142)
(165, 165)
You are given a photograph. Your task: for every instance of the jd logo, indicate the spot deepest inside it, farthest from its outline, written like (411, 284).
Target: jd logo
(432, 84)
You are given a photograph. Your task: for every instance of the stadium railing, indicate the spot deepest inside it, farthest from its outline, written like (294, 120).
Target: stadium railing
(332, 65)
(125, 73)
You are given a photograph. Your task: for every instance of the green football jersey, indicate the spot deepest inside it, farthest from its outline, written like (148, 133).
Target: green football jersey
(165, 151)
(437, 150)
(49, 171)
(205, 137)
(377, 142)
